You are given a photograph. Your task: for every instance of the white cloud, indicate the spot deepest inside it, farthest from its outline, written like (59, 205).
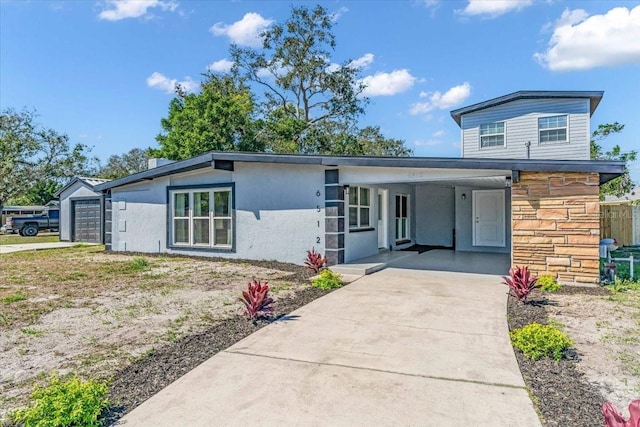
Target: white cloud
(221, 66)
(493, 8)
(442, 101)
(387, 84)
(427, 143)
(439, 133)
(362, 62)
(116, 10)
(338, 14)
(244, 32)
(582, 42)
(160, 81)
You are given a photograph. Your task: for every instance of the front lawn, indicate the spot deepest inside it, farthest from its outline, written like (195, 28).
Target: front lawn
(139, 321)
(16, 239)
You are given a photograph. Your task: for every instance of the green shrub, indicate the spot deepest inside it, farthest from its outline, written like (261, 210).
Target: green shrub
(62, 403)
(548, 283)
(536, 341)
(327, 280)
(138, 264)
(624, 285)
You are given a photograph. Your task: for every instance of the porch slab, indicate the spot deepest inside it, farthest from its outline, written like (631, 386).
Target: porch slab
(371, 264)
(457, 261)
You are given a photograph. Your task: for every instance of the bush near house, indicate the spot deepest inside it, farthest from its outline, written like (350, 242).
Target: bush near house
(315, 261)
(327, 280)
(520, 282)
(537, 341)
(548, 283)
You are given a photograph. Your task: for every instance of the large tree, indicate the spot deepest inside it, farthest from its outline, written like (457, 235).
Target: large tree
(118, 166)
(623, 184)
(34, 160)
(219, 117)
(303, 91)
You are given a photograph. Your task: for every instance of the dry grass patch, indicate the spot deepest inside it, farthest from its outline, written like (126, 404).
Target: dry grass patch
(606, 331)
(89, 312)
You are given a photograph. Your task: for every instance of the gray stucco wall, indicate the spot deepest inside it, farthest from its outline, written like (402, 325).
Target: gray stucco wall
(276, 212)
(78, 189)
(435, 215)
(361, 244)
(521, 125)
(464, 222)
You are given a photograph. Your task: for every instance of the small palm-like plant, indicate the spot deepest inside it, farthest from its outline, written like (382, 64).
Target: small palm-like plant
(613, 418)
(256, 300)
(315, 261)
(521, 282)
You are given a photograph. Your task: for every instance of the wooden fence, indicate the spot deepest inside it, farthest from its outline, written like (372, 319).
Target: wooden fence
(621, 222)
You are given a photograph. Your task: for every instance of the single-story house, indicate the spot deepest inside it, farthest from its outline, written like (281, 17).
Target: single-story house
(81, 210)
(525, 187)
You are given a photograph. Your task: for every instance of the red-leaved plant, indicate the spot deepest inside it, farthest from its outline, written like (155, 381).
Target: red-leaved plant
(256, 300)
(315, 261)
(613, 418)
(521, 282)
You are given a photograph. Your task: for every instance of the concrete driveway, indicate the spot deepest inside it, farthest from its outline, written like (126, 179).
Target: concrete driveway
(398, 347)
(6, 249)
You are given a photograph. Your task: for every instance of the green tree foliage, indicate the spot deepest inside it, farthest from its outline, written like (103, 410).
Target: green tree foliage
(35, 161)
(118, 166)
(623, 184)
(303, 91)
(219, 117)
(286, 97)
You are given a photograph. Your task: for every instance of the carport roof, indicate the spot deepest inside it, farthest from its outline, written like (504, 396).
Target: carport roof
(224, 161)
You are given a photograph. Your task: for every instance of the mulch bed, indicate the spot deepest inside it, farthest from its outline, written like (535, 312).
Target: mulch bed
(144, 378)
(561, 393)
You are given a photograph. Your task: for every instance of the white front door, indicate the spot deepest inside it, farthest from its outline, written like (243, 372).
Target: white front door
(383, 218)
(488, 218)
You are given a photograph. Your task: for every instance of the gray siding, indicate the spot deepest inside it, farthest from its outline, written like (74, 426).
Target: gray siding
(521, 125)
(78, 189)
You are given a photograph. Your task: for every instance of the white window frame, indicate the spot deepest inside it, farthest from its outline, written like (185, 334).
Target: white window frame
(565, 127)
(503, 134)
(398, 219)
(359, 206)
(211, 216)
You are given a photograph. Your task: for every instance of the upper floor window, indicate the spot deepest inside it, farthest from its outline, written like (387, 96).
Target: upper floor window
(492, 135)
(553, 129)
(359, 207)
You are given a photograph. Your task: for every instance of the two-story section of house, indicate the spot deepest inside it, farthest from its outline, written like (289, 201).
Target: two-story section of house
(554, 213)
(529, 125)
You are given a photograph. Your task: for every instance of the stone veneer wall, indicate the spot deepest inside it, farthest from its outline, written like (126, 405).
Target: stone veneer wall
(555, 224)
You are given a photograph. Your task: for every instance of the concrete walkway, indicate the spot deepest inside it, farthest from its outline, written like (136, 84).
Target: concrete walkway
(397, 347)
(5, 249)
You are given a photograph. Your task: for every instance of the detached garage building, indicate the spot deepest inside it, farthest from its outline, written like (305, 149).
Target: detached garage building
(81, 211)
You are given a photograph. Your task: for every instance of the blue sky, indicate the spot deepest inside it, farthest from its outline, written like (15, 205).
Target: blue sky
(103, 71)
